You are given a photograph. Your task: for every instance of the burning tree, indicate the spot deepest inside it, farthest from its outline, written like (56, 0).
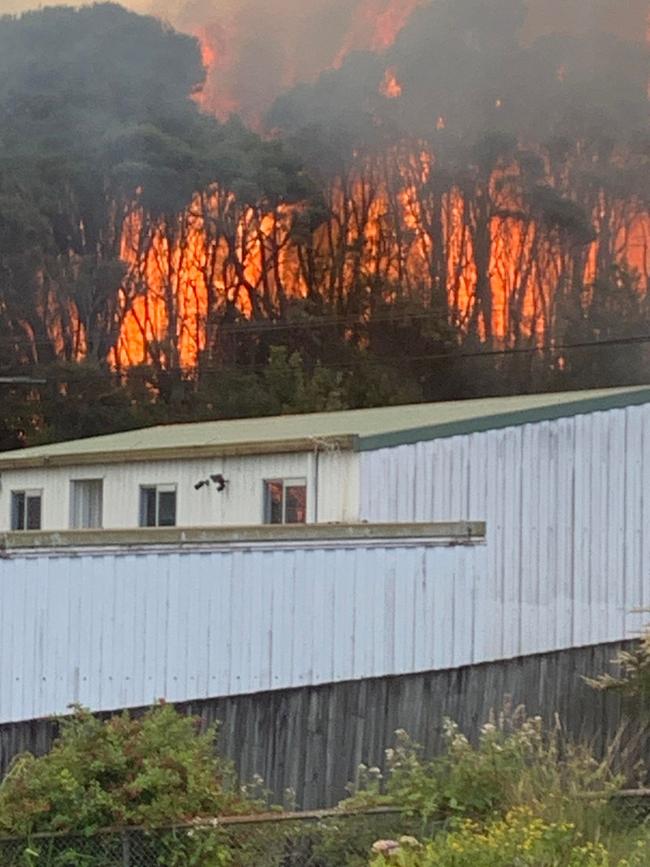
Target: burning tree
(472, 182)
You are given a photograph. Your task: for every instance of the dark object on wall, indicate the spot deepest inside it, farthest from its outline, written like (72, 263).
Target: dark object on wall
(219, 481)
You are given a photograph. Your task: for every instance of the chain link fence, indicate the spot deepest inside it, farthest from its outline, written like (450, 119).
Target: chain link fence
(322, 839)
(333, 838)
(632, 807)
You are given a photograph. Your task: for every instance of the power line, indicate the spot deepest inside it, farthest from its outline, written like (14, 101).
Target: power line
(349, 320)
(247, 327)
(21, 380)
(376, 361)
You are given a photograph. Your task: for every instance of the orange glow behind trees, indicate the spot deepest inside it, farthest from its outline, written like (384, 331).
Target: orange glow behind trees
(484, 251)
(483, 254)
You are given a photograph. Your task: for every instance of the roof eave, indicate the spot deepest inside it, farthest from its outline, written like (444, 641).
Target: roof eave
(21, 461)
(499, 421)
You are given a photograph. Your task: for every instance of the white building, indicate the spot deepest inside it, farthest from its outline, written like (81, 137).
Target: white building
(545, 546)
(423, 462)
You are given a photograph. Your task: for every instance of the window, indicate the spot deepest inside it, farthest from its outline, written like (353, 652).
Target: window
(86, 504)
(285, 501)
(158, 506)
(26, 510)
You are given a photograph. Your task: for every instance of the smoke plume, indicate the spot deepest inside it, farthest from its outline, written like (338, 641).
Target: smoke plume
(254, 51)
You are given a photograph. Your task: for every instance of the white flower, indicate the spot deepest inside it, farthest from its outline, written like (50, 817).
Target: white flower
(385, 847)
(410, 842)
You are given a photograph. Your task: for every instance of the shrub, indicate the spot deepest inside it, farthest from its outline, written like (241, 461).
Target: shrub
(154, 770)
(522, 796)
(632, 678)
(519, 839)
(516, 761)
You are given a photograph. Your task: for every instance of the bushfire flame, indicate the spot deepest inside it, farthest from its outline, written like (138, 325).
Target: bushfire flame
(391, 88)
(252, 59)
(391, 232)
(188, 281)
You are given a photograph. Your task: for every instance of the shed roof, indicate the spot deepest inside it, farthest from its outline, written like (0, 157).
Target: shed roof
(363, 430)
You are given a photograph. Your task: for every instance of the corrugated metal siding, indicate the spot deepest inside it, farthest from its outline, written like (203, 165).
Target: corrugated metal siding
(567, 506)
(119, 630)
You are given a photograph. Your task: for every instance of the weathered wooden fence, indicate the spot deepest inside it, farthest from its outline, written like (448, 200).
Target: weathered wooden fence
(312, 739)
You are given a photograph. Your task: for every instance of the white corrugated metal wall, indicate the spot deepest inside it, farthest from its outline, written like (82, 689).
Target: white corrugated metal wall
(114, 630)
(567, 506)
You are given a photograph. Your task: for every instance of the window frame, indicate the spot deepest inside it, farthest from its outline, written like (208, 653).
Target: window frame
(159, 488)
(27, 494)
(73, 483)
(288, 482)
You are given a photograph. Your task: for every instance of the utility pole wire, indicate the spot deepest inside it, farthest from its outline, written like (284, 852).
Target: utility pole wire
(21, 380)
(373, 361)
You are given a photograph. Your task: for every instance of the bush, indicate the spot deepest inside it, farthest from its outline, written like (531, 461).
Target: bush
(516, 761)
(520, 839)
(522, 796)
(632, 679)
(154, 770)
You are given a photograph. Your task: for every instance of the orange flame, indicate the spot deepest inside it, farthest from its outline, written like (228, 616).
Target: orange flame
(397, 238)
(390, 86)
(375, 26)
(250, 63)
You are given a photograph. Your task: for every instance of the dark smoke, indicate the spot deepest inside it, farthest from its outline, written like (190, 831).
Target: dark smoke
(471, 67)
(257, 51)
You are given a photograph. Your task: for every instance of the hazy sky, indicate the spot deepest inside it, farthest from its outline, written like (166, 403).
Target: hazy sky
(12, 6)
(164, 8)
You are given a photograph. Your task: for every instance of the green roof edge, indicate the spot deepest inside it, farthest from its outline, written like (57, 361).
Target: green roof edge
(515, 418)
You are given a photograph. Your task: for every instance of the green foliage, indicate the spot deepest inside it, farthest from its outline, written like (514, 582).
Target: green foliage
(519, 839)
(286, 387)
(87, 399)
(632, 679)
(155, 770)
(522, 796)
(615, 307)
(516, 761)
(196, 847)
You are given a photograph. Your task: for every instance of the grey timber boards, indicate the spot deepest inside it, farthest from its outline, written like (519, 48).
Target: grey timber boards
(312, 739)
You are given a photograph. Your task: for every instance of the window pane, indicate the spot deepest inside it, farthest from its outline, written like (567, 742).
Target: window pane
(273, 504)
(147, 507)
(18, 510)
(33, 511)
(167, 508)
(296, 496)
(87, 503)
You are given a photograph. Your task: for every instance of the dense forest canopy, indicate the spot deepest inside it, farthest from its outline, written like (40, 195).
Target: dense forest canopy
(461, 213)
